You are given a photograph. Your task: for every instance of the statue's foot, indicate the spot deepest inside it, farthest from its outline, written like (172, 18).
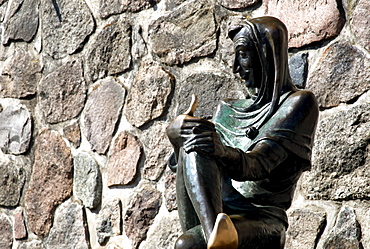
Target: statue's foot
(224, 234)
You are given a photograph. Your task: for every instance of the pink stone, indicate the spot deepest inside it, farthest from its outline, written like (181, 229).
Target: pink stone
(20, 231)
(360, 23)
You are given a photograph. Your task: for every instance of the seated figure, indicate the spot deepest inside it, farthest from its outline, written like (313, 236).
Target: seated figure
(236, 175)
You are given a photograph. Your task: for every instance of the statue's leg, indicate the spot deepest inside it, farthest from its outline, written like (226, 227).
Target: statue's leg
(202, 180)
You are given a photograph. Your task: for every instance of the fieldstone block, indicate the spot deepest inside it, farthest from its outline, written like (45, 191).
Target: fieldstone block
(305, 227)
(51, 181)
(346, 232)
(170, 190)
(20, 75)
(69, 230)
(158, 150)
(109, 220)
(6, 231)
(12, 179)
(340, 168)
(65, 27)
(73, 134)
(110, 53)
(124, 160)
(140, 214)
(298, 68)
(34, 244)
(307, 20)
(210, 88)
(62, 93)
(185, 33)
(20, 231)
(139, 48)
(21, 21)
(359, 23)
(15, 129)
(149, 94)
(113, 7)
(237, 4)
(342, 74)
(87, 180)
(101, 113)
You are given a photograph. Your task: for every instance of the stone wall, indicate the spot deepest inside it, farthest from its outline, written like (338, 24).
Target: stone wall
(87, 88)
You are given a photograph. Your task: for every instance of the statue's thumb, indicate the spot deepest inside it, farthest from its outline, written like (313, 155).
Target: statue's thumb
(194, 102)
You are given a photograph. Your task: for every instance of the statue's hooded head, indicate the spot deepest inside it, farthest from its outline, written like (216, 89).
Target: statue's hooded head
(261, 59)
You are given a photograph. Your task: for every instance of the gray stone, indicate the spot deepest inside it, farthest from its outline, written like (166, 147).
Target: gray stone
(101, 113)
(185, 33)
(164, 233)
(305, 227)
(298, 68)
(210, 88)
(21, 21)
(340, 166)
(62, 93)
(171, 4)
(15, 129)
(139, 48)
(65, 27)
(73, 134)
(20, 75)
(110, 53)
(20, 231)
(237, 4)
(123, 162)
(34, 244)
(113, 7)
(342, 74)
(140, 214)
(346, 232)
(87, 180)
(109, 221)
(359, 23)
(6, 231)
(149, 94)
(307, 20)
(170, 190)
(51, 181)
(69, 230)
(12, 178)
(158, 150)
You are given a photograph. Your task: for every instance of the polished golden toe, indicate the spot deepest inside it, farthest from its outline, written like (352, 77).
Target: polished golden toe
(224, 234)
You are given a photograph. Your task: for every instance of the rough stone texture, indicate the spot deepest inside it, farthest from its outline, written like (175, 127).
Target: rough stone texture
(65, 33)
(6, 231)
(73, 133)
(51, 181)
(149, 94)
(340, 156)
(34, 244)
(20, 75)
(163, 234)
(304, 228)
(62, 93)
(21, 21)
(360, 23)
(237, 4)
(187, 32)
(12, 179)
(307, 20)
(341, 75)
(102, 109)
(158, 150)
(109, 221)
(346, 232)
(69, 230)
(113, 7)
(140, 214)
(20, 231)
(171, 4)
(210, 88)
(298, 68)
(124, 160)
(15, 129)
(110, 53)
(139, 48)
(87, 180)
(170, 190)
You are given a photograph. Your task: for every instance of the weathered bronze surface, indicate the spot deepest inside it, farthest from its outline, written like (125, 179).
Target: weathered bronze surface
(236, 175)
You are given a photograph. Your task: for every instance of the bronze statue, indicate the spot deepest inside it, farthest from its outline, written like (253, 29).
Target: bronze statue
(236, 175)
